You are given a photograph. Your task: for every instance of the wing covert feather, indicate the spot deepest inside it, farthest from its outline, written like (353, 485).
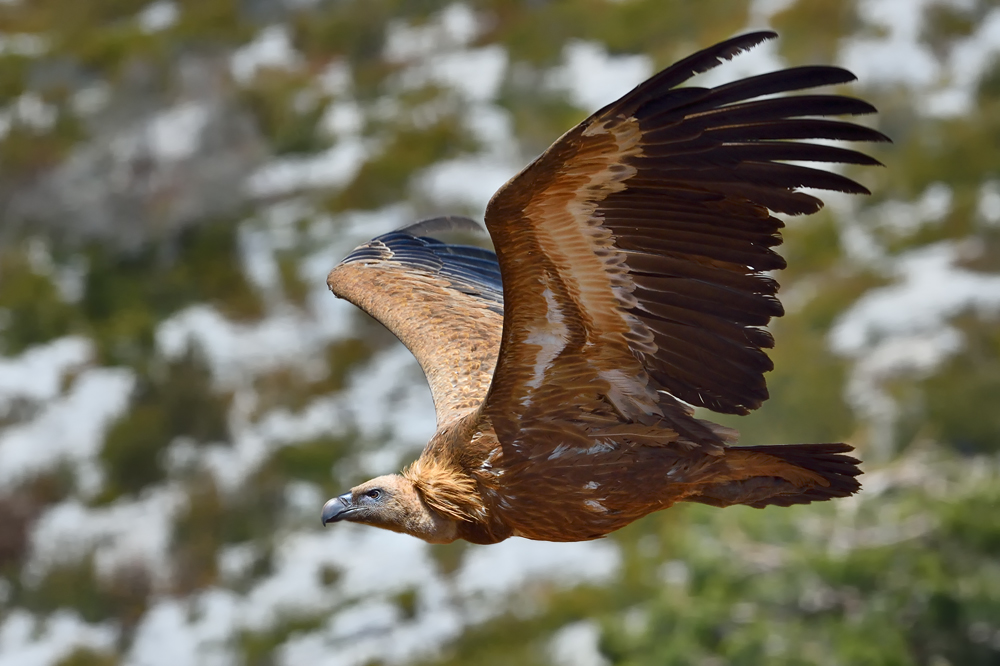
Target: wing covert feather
(444, 302)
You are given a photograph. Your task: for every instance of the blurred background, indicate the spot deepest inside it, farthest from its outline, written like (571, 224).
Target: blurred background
(179, 393)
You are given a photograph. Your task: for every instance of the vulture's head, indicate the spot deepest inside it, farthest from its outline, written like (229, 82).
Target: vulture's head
(391, 502)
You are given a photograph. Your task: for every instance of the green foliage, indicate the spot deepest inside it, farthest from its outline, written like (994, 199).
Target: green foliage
(13, 77)
(288, 388)
(25, 150)
(539, 118)
(536, 32)
(82, 656)
(989, 84)
(946, 151)
(295, 288)
(810, 31)
(97, 35)
(944, 23)
(406, 601)
(258, 648)
(960, 398)
(31, 310)
(385, 177)
(285, 112)
(252, 513)
(127, 295)
(197, 537)
(309, 461)
(175, 400)
(75, 585)
(449, 557)
(355, 30)
(22, 504)
(213, 22)
(810, 246)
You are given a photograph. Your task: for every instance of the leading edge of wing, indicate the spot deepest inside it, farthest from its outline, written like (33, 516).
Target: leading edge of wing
(444, 302)
(470, 270)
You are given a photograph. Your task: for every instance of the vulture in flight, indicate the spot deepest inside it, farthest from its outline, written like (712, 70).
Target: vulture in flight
(631, 283)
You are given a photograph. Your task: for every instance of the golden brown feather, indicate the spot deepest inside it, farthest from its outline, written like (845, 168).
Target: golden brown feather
(634, 256)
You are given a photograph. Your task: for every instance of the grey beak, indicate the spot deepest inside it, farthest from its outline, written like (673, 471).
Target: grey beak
(339, 508)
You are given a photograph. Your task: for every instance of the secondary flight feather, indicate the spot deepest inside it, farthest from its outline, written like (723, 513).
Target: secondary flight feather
(630, 283)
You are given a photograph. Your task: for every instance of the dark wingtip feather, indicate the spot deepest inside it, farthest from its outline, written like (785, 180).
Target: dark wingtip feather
(682, 70)
(711, 57)
(785, 80)
(702, 61)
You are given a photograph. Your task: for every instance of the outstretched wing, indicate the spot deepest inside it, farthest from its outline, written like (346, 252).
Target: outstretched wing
(634, 254)
(444, 302)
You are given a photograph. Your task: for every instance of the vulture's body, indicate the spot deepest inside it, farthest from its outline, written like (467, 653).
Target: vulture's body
(629, 283)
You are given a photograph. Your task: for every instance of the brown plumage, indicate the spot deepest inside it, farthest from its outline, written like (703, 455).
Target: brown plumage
(634, 255)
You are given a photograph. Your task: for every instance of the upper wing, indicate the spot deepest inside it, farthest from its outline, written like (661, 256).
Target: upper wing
(444, 302)
(634, 251)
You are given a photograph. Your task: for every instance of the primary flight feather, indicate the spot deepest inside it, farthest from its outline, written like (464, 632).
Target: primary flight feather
(630, 282)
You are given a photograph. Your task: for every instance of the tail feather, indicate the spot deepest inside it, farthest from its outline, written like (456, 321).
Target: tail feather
(784, 475)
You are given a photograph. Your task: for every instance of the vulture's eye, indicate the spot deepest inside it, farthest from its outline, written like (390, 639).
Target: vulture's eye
(375, 493)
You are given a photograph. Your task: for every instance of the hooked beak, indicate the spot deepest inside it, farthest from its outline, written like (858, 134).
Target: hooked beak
(339, 508)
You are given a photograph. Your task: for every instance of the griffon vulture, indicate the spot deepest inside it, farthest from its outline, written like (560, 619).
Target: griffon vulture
(631, 283)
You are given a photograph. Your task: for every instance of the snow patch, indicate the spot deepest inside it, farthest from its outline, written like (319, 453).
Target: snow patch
(237, 351)
(271, 49)
(495, 570)
(592, 78)
(342, 119)
(176, 134)
(37, 374)
(474, 73)
(169, 136)
(124, 533)
(193, 631)
(471, 181)
(90, 100)
(372, 630)
(334, 167)
(895, 55)
(964, 66)
(903, 329)
(466, 181)
(336, 78)
(903, 218)
(931, 290)
(28, 641)
(23, 44)
(70, 428)
(30, 110)
(453, 28)
(988, 207)
(761, 11)
(576, 644)
(160, 15)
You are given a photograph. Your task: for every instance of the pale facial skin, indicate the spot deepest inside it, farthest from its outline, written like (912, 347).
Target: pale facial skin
(392, 503)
